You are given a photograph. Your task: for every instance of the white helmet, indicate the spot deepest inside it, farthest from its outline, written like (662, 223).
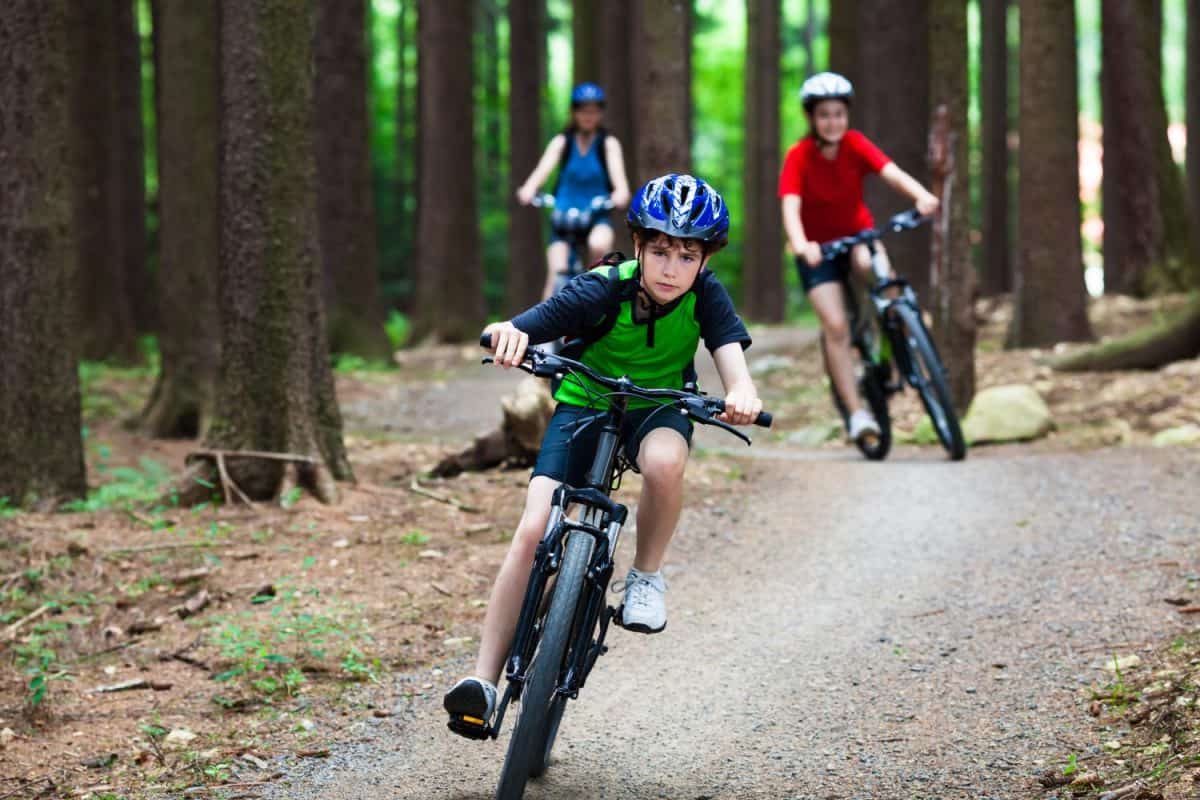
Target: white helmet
(825, 86)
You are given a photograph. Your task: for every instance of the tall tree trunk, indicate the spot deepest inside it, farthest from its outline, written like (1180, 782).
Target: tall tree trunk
(843, 38)
(662, 55)
(406, 145)
(345, 204)
(587, 39)
(810, 35)
(891, 106)
(1193, 111)
(41, 451)
(275, 389)
(1049, 300)
(449, 274)
(616, 37)
(952, 275)
(997, 255)
(188, 129)
(526, 259)
(105, 329)
(132, 170)
(762, 270)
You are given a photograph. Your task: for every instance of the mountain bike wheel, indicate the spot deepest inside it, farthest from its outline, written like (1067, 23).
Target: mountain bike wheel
(928, 376)
(533, 734)
(870, 388)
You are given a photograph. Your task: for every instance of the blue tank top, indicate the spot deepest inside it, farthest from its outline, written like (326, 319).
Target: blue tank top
(583, 177)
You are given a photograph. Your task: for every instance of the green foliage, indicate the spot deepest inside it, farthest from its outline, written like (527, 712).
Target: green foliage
(291, 497)
(1072, 765)
(398, 329)
(128, 487)
(415, 537)
(347, 363)
(7, 509)
(39, 661)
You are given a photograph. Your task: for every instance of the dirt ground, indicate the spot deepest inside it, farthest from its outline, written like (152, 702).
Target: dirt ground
(266, 638)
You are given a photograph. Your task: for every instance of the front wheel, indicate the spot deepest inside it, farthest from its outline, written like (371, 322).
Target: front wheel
(541, 709)
(928, 376)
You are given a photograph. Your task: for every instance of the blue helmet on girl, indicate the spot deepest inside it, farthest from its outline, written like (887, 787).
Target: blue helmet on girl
(681, 206)
(587, 93)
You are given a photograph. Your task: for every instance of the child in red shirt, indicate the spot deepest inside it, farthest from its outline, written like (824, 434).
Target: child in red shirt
(821, 194)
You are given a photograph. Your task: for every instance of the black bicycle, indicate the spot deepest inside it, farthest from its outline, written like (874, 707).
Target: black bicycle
(905, 341)
(573, 225)
(562, 626)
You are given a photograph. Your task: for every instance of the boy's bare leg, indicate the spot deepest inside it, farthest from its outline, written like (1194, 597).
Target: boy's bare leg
(661, 459)
(829, 302)
(504, 605)
(556, 263)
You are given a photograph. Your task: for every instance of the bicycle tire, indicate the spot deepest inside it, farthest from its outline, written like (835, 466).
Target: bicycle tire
(932, 386)
(529, 750)
(870, 387)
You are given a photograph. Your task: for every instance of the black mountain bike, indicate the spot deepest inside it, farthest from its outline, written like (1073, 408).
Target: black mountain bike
(896, 333)
(573, 225)
(561, 630)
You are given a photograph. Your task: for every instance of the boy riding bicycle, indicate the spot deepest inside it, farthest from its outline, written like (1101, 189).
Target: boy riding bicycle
(821, 196)
(644, 319)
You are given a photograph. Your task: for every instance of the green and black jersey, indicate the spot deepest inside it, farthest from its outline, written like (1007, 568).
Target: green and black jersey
(654, 347)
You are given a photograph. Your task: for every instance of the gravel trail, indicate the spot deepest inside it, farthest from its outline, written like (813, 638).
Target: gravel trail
(913, 629)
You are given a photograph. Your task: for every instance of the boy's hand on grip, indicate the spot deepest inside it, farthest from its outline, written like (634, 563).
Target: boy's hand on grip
(742, 407)
(508, 343)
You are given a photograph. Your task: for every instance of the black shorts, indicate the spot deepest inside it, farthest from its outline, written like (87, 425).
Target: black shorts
(567, 460)
(837, 269)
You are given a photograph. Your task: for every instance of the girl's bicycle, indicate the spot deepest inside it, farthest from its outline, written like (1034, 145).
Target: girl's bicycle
(564, 617)
(895, 333)
(573, 225)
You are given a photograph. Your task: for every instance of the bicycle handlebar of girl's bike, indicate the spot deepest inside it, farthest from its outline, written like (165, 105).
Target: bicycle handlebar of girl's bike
(547, 365)
(904, 221)
(599, 202)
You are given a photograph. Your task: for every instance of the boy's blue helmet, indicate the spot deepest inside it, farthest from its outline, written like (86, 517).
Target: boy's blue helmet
(587, 93)
(681, 206)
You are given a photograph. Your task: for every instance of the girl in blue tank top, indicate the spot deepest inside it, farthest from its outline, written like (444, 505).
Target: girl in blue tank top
(593, 166)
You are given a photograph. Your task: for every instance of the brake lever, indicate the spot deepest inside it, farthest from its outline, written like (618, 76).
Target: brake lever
(727, 427)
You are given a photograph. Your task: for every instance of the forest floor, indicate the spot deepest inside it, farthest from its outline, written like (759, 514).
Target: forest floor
(156, 651)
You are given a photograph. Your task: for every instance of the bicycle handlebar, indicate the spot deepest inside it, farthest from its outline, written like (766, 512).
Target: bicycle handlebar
(599, 202)
(701, 408)
(904, 221)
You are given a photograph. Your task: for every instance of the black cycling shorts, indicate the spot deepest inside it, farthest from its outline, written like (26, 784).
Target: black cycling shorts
(567, 460)
(830, 270)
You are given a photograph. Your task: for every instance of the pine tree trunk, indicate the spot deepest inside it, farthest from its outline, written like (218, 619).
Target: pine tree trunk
(1049, 300)
(449, 297)
(952, 275)
(617, 79)
(587, 39)
(189, 231)
(406, 146)
(662, 92)
(346, 208)
(41, 452)
(843, 39)
(526, 257)
(891, 106)
(810, 35)
(105, 329)
(1193, 111)
(762, 270)
(132, 170)
(997, 257)
(275, 389)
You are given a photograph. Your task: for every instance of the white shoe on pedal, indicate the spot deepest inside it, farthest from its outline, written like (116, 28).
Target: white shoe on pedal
(863, 425)
(645, 609)
(472, 699)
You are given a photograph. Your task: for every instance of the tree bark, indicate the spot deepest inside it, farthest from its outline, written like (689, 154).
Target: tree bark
(617, 26)
(1193, 111)
(105, 315)
(132, 169)
(526, 259)
(762, 270)
(1049, 303)
(843, 39)
(662, 61)
(891, 106)
(1149, 348)
(587, 39)
(449, 297)
(275, 389)
(41, 452)
(997, 255)
(345, 204)
(189, 231)
(406, 147)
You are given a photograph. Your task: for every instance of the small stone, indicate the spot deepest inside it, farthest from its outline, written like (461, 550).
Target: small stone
(340, 543)
(1112, 744)
(970, 690)
(1122, 664)
(431, 554)
(6, 736)
(179, 738)
(307, 724)
(358, 518)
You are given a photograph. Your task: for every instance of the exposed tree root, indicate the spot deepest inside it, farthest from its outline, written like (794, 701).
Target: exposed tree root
(1149, 348)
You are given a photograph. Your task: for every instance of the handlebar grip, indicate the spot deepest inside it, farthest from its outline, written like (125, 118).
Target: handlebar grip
(485, 341)
(764, 419)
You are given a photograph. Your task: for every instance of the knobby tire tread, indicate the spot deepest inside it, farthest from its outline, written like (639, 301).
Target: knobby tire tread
(936, 392)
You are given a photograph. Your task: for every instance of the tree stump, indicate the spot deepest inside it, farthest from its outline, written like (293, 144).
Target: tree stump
(516, 442)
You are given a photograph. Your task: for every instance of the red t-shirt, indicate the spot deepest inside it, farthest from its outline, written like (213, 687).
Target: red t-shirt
(831, 191)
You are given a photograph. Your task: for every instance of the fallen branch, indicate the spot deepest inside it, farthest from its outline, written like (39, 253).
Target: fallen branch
(253, 454)
(11, 630)
(416, 488)
(322, 753)
(147, 548)
(136, 683)
(228, 483)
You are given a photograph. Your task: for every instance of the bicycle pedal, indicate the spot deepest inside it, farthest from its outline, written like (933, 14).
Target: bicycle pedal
(471, 727)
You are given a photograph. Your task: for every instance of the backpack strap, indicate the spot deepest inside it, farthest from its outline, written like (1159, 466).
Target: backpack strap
(616, 296)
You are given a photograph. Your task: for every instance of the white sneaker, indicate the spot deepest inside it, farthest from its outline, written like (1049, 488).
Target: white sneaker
(863, 425)
(472, 700)
(645, 609)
